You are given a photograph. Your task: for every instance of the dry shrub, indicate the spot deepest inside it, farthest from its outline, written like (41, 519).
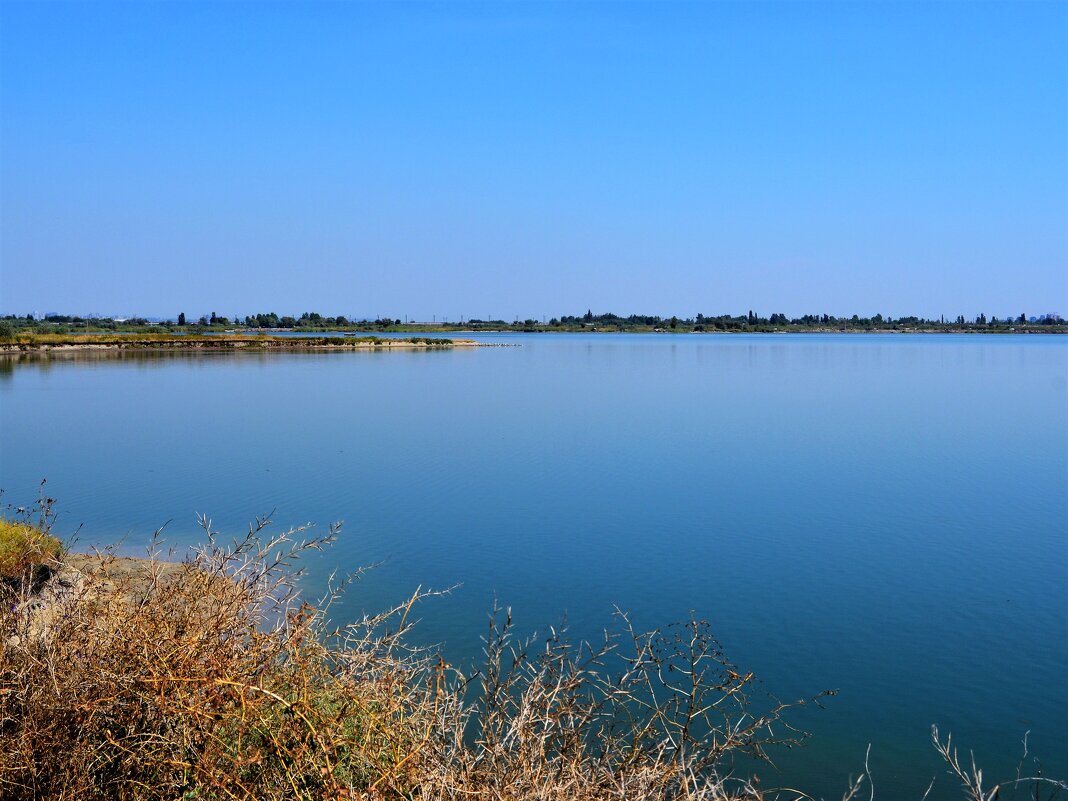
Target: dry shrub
(204, 680)
(657, 715)
(210, 679)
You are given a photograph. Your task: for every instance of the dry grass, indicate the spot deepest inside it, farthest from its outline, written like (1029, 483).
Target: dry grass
(34, 338)
(210, 679)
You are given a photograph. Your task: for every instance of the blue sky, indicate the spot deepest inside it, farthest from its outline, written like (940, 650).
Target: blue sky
(516, 159)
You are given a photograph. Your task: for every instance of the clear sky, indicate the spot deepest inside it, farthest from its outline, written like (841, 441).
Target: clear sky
(534, 159)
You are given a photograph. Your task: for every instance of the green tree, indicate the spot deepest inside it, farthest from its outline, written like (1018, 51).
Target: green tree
(181, 318)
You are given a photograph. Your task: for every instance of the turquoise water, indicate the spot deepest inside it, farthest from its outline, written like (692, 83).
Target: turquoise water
(883, 515)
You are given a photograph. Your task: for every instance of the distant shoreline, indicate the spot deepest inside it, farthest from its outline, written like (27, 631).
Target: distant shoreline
(16, 329)
(61, 344)
(285, 340)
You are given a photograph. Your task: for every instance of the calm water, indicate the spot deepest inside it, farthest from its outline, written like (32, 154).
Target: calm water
(884, 515)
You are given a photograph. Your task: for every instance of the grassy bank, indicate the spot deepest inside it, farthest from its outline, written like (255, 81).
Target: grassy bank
(212, 679)
(41, 343)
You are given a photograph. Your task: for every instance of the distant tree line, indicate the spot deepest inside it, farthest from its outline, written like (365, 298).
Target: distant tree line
(752, 320)
(311, 320)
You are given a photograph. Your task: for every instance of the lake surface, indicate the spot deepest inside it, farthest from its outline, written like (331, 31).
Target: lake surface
(885, 515)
